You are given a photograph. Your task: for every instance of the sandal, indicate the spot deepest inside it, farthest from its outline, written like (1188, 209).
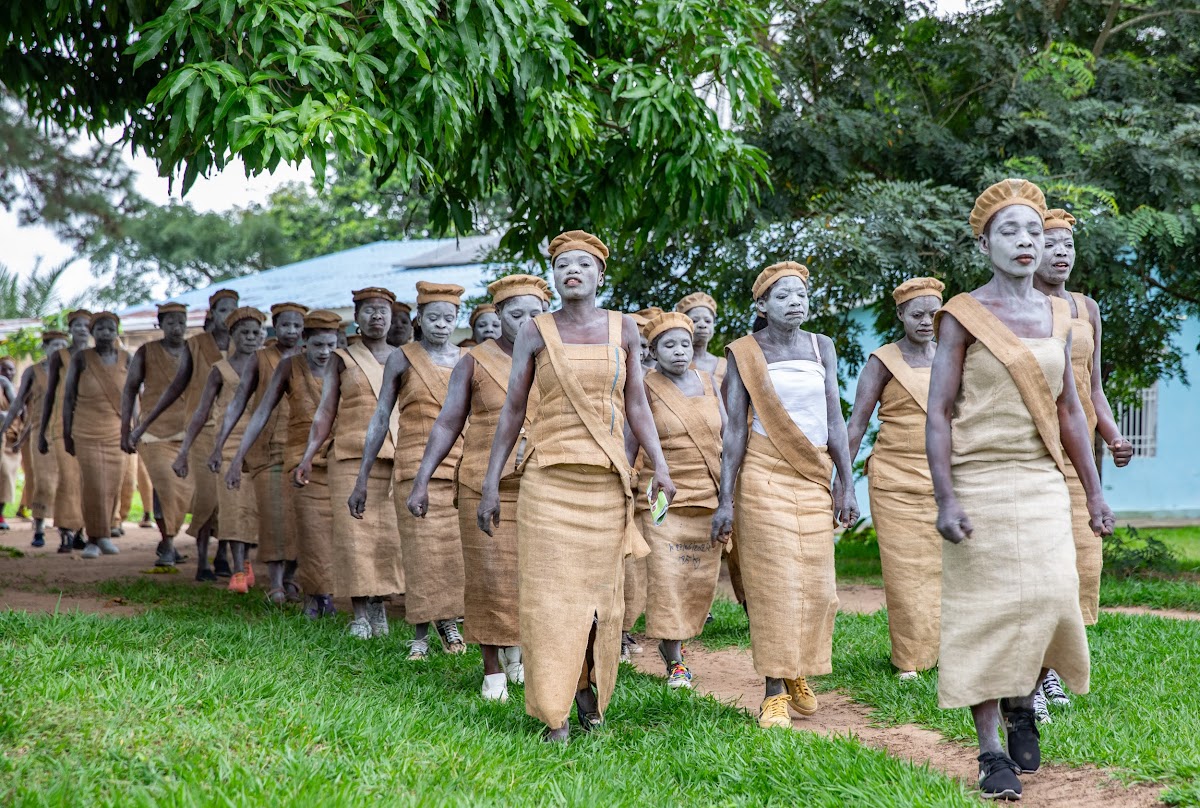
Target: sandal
(277, 597)
(292, 591)
(588, 721)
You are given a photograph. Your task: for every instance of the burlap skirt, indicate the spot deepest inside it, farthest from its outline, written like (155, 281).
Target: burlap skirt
(238, 508)
(910, 549)
(144, 486)
(10, 467)
(172, 495)
(68, 501)
(44, 482)
(101, 471)
(128, 484)
(490, 565)
(635, 591)
(570, 553)
(1089, 551)
(205, 485)
(276, 542)
(681, 572)
(1010, 592)
(367, 555)
(308, 511)
(785, 546)
(433, 556)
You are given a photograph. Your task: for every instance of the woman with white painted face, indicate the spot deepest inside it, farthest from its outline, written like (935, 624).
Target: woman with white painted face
(478, 386)
(1002, 407)
(68, 509)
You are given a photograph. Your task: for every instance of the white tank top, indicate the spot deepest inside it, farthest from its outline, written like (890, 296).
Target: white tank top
(800, 385)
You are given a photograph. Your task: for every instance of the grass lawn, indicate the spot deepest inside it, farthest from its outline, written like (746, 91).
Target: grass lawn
(1141, 718)
(206, 699)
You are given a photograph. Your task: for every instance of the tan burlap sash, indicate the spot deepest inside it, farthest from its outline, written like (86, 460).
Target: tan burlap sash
(699, 428)
(373, 370)
(893, 360)
(107, 375)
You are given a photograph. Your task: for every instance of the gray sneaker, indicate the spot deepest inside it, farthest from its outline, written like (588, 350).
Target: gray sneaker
(377, 618)
(107, 547)
(91, 551)
(1040, 710)
(360, 629)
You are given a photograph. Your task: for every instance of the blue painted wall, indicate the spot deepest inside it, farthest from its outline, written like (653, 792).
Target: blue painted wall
(1164, 486)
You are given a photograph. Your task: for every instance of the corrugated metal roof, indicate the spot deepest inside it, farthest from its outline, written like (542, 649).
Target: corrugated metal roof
(327, 281)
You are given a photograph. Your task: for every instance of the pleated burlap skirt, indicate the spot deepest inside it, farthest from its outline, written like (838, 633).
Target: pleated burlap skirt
(490, 567)
(910, 549)
(570, 553)
(1089, 551)
(785, 546)
(10, 467)
(238, 508)
(172, 494)
(635, 591)
(101, 471)
(68, 494)
(433, 558)
(312, 525)
(205, 485)
(367, 555)
(45, 482)
(1010, 592)
(275, 541)
(681, 572)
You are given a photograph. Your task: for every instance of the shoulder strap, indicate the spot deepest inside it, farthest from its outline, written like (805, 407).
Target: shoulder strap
(108, 384)
(368, 364)
(207, 348)
(789, 440)
(425, 370)
(493, 360)
(816, 346)
(1022, 365)
(689, 415)
(893, 360)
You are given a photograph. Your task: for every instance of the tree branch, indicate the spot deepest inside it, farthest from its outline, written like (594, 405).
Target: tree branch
(1105, 34)
(1148, 278)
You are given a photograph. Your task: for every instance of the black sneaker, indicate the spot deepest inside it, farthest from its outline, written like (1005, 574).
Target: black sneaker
(206, 575)
(39, 540)
(221, 568)
(1020, 726)
(78, 542)
(998, 777)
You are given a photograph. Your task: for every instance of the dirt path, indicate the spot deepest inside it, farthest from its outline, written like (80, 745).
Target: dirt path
(729, 675)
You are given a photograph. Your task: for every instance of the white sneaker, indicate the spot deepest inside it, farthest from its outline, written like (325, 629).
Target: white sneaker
(360, 629)
(908, 676)
(495, 687)
(514, 668)
(377, 618)
(1053, 688)
(107, 547)
(91, 551)
(1040, 712)
(418, 650)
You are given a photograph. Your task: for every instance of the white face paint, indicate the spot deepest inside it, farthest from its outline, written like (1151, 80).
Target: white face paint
(374, 317)
(673, 351)
(289, 325)
(515, 311)
(917, 317)
(577, 275)
(437, 321)
(487, 326)
(1014, 241)
(785, 303)
(1058, 256)
(703, 323)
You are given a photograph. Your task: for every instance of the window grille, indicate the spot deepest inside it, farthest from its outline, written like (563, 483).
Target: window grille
(1139, 422)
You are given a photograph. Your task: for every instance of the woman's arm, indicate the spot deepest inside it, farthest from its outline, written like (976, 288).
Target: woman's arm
(874, 378)
(212, 386)
(1106, 423)
(322, 425)
(183, 375)
(52, 370)
(637, 411)
(70, 395)
(512, 418)
(846, 505)
(733, 447)
(18, 403)
(129, 395)
(945, 379)
(1072, 425)
(378, 429)
(258, 421)
(445, 431)
(247, 384)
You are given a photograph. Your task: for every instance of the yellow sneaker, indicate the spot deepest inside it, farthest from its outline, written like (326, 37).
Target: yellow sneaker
(774, 712)
(803, 700)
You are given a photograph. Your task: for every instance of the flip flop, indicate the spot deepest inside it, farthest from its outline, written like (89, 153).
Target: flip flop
(277, 597)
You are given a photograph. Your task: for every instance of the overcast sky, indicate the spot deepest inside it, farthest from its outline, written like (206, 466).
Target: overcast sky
(231, 188)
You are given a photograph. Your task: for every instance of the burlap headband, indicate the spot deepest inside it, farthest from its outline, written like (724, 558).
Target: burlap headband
(1059, 219)
(480, 310)
(244, 313)
(280, 308)
(695, 300)
(322, 319)
(517, 286)
(50, 336)
(665, 322)
(75, 315)
(172, 308)
(221, 293)
(578, 240)
(1002, 195)
(786, 269)
(918, 287)
(428, 292)
(372, 292)
(103, 315)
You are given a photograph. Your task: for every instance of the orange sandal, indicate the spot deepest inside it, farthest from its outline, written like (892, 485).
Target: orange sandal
(237, 583)
(249, 574)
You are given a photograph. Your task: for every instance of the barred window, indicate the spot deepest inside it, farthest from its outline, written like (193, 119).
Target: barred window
(1139, 422)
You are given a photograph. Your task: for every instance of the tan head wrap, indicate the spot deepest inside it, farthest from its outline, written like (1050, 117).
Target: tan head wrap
(103, 315)
(918, 287)
(518, 285)
(578, 240)
(649, 313)
(785, 269)
(1002, 195)
(220, 293)
(84, 313)
(1059, 219)
(694, 300)
(322, 318)
(370, 292)
(53, 334)
(280, 308)
(428, 292)
(665, 322)
(400, 307)
(244, 313)
(480, 310)
(171, 308)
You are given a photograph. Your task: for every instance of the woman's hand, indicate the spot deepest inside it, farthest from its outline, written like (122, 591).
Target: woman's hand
(846, 506)
(180, 466)
(418, 500)
(662, 482)
(43, 445)
(488, 515)
(214, 462)
(233, 477)
(357, 503)
(1122, 452)
(953, 523)
(69, 444)
(301, 474)
(1100, 517)
(722, 524)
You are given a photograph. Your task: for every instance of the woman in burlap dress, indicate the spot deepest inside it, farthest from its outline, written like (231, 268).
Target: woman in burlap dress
(776, 475)
(478, 386)
(1002, 407)
(896, 377)
(366, 554)
(238, 508)
(1058, 261)
(92, 429)
(68, 509)
(31, 395)
(575, 511)
(684, 562)
(415, 383)
(296, 382)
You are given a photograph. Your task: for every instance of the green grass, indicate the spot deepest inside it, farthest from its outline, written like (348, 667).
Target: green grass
(206, 700)
(1151, 593)
(10, 508)
(1142, 717)
(856, 560)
